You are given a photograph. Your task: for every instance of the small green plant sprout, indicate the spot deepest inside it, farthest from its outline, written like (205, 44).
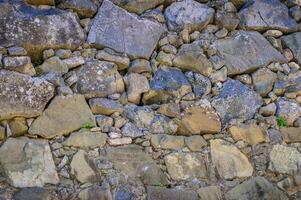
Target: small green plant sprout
(87, 125)
(281, 121)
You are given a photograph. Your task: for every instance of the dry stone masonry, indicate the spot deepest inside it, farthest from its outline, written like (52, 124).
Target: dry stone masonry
(150, 100)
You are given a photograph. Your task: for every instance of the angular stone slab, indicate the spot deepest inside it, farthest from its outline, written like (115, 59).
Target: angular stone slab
(37, 29)
(28, 162)
(99, 79)
(124, 32)
(135, 163)
(160, 193)
(236, 101)
(64, 115)
(246, 51)
(22, 95)
(293, 41)
(188, 14)
(262, 15)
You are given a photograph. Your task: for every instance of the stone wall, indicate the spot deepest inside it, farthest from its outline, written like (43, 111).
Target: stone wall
(150, 99)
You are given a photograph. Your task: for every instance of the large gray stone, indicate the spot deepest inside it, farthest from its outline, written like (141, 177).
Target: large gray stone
(190, 57)
(115, 28)
(185, 166)
(135, 163)
(28, 162)
(137, 6)
(293, 41)
(288, 109)
(63, 115)
(22, 95)
(245, 51)
(37, 29)
(160, 193)
(236, 101)
(254, 189)
(99, 79)
(188, 14)
(84, 8)
(262, 15)
(166, 84)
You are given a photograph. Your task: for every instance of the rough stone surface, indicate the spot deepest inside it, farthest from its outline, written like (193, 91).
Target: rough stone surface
(190, 57)
(285, 159)
(246, 51)
(47, 28)
(122, 22)
(167, 83)
(210, 193)
(81, 168)
(188, 14)
(289, 110)
(236, 101)
(291, 134)
(53, 64)
(136, 85)
(200, 118)
(264, 80)
(165, 141)
(159, 193)
(28, 162)
(32, 193)
(84, 8)
(85, 138)
(53, 120)
(99, 79)
(185, 166)
(249, 133)
(22, 95)
(137, 6)
(134, 162)
(256, 188)
(229, 161)
(104, 106)
(262, 15)
(21, 64)
(293, 41)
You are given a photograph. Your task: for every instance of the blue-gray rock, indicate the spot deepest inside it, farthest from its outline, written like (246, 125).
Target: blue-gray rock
(293, 41)
(262, 15)
(290, 110)
(34, 193)
(188, 14)
(124, 32)
(84, 8)
(22, 95)
(254, 189)
(38, 29)
(99, 79)
(246, 51)
(167, 83)
(236, 101)
(159, 193)
(137, 6)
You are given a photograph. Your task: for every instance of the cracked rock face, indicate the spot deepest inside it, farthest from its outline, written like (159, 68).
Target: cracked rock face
(28, 162)
(246, 51)
(38, 29)
(115, 28)
(22, 95)
(188, 14)
(262, 15)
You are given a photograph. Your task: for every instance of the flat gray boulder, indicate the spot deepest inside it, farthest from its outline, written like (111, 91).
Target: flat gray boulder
(137, 6)
(28, 162)
(99, 79)
(22, 95)
(124, 32)
(188, 14)
(293, 42)
(236, 101)
(63, 115)
(37, 29)
(246, 51)
(262, 15)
